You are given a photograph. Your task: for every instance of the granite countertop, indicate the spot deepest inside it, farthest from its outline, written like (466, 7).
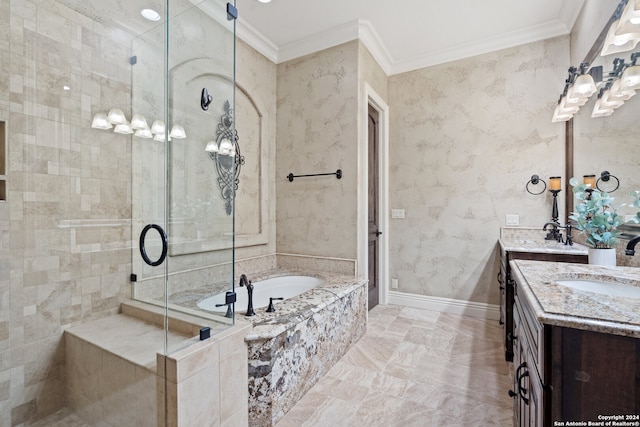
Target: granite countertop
(540, 245)
(294, 310)
(555, 304)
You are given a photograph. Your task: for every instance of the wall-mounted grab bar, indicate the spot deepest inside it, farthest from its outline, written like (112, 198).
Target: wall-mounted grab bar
(337, 173)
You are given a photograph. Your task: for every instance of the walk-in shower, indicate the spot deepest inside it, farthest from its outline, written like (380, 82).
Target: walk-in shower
(110, 206)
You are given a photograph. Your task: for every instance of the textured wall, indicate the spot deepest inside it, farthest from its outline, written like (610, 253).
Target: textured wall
(317, 132)
(465, 137)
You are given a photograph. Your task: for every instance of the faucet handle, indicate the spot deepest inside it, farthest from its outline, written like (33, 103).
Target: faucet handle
(271, 308)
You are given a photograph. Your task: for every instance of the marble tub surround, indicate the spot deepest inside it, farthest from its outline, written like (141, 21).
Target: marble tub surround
(292, 349)
(559, 305)
(533, 240)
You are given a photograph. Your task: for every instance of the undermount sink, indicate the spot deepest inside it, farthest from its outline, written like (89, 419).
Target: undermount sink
(597, 286)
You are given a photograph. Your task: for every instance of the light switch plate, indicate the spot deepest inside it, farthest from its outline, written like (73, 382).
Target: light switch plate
(397, 213)
(512, 219)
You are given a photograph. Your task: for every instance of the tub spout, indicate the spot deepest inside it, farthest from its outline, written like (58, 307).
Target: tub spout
(246, 282)
(631, 246)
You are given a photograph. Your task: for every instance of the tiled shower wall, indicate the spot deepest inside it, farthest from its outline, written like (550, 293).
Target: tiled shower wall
(64, 247)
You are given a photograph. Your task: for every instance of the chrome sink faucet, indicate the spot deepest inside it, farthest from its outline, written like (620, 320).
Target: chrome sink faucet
(631, 246)
(246, 282)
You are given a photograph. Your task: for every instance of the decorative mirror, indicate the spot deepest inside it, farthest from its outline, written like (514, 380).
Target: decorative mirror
(225, 153)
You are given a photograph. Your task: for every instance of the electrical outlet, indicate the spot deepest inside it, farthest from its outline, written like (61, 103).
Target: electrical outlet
(394, 283)
(512, 219)
(397, 213)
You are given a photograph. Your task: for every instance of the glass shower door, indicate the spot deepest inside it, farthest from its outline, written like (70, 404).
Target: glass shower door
(184, 165)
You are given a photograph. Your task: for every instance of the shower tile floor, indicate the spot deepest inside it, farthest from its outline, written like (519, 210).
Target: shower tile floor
(412, 368)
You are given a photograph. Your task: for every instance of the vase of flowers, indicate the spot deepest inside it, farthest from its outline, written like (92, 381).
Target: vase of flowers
(596, 218)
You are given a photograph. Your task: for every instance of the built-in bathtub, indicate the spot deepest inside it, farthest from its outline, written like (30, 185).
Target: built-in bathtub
(284, 287)
(290, 349)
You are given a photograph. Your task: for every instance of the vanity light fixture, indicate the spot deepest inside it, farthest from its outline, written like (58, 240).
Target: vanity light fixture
(124, 128)
(579, 86)
(212, 147)
(138, 126)
(158, 128)
(624, 33)
(631, 75)
(116, 117)
(144, 133)
(139, 122)
(100, 122)
(177, 132)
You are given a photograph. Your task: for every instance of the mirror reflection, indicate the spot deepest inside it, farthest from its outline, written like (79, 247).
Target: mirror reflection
(609, 143)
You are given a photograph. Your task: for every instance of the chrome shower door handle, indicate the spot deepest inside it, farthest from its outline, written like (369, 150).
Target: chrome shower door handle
(143, 248)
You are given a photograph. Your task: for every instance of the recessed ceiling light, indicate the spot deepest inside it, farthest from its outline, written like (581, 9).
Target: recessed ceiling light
(264, 1)
(150, 14)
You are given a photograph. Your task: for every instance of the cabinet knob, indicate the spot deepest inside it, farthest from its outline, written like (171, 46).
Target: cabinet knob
(512, 393)
(511, 337)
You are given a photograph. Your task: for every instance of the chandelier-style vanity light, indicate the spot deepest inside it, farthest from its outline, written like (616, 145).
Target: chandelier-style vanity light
(138, 126)
(578, 87)
(615, 91)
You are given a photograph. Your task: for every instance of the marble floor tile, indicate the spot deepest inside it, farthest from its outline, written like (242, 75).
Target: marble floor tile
(414, 368)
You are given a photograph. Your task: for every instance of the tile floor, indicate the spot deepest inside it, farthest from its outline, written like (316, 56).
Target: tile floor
(414, 368)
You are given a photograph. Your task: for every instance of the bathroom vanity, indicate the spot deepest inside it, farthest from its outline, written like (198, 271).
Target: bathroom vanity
(515, 244)
(576, 343)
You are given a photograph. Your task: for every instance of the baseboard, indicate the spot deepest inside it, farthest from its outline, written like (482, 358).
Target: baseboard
(446, 305)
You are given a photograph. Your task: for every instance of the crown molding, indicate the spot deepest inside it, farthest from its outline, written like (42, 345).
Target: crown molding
(503, 41)
(333, 37)
(365, 32)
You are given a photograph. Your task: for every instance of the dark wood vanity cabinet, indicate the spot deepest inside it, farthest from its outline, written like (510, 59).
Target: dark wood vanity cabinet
(566, 374)
(505, 283)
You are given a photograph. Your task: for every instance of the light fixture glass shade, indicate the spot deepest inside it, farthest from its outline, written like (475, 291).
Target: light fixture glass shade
(144, 133)
(212, 147)
(116, 117)
(620, 93)
(567, 108)
(559, 115)
(158, 128)
(574, 102)
(631, 13)
(139, 122)
(631, 77)
(100, 121)
(583, 87)
(160, 137)
(124, 129)
(609, 102)
(177, 132)
(601, 110)
(616, 43)
(226, 148)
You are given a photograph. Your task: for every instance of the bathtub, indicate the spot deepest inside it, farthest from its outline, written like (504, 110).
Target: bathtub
(278, 287)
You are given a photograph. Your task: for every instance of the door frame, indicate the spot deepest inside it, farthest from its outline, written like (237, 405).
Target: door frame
(372, 98)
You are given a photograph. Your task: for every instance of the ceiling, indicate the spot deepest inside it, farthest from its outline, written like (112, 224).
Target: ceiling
(402, 36)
